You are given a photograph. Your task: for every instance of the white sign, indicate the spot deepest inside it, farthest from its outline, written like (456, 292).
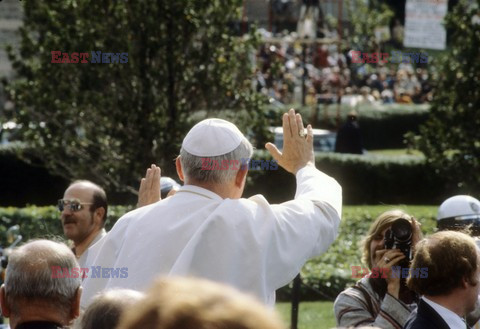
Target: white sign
(424, 24)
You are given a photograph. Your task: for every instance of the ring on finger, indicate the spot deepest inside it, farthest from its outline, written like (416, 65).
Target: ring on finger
(301, 133)
(386, 259)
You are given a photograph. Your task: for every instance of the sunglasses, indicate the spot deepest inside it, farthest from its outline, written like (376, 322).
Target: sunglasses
(73, 205)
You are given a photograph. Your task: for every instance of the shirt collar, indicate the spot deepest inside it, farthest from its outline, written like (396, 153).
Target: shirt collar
(100, 235)
(193, 189)
(451, 318)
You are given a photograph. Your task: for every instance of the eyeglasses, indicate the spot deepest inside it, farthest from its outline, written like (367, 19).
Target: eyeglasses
(74, 205)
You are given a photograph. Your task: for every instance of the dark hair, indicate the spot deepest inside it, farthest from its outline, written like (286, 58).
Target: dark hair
(100, 201)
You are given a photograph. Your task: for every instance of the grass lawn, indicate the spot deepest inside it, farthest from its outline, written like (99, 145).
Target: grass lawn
(312, 315)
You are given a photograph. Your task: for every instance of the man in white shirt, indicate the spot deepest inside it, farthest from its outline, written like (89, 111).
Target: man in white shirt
(450, 291)
(207, 230)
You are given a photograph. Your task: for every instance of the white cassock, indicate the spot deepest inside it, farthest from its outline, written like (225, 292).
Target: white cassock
(247, 243)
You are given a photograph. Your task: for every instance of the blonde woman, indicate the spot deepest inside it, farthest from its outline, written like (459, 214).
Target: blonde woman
(376, 301)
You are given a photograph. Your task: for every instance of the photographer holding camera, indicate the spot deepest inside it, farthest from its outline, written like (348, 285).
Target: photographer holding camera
(382, 300)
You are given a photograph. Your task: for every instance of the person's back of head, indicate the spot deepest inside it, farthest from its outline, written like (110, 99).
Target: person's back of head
(32, 293)
(210, 144)
(106, 308)
(214, 156)
(168, 187)
(189, 303)
(450, 258)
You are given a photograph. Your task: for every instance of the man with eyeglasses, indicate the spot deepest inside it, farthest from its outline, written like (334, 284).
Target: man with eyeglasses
(83, 214)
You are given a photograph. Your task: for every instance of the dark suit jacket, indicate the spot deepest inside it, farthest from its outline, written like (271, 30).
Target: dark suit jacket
(39, 325)
(425, 317)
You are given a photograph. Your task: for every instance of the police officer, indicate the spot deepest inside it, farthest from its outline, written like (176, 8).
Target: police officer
(459, 212)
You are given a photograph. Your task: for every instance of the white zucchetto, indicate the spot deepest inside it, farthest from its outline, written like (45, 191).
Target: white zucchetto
(212, 137)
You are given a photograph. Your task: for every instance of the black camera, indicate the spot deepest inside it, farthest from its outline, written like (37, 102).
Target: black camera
(399, 236)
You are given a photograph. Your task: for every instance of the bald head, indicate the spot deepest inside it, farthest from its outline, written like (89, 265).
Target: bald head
(91, 191)
(35, 254)
(30, 285)
(84, 211)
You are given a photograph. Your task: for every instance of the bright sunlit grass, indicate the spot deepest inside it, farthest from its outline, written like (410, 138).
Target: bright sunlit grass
(312, 315)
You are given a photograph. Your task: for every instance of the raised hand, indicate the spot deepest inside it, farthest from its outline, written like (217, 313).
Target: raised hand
(297, 146)
(149, 191)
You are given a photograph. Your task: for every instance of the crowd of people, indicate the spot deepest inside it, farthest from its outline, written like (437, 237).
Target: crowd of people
(201, 256)
(331, 76)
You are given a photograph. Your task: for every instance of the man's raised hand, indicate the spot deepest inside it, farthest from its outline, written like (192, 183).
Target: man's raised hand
(297, 146)
(149, 191)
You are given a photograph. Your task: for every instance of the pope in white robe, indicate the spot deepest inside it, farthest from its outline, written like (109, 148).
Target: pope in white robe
(207, 230)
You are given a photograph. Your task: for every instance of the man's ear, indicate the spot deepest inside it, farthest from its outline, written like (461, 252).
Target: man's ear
(178, 165)
(98, 215)
(241, 176)
(75, 310)
(3, 302)
(465, 282)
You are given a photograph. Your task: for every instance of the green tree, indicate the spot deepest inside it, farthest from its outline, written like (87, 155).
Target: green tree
(364, 17)
(108, 122)
(450, 139)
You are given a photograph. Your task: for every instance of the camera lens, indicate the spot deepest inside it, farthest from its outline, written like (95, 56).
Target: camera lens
(402, 230)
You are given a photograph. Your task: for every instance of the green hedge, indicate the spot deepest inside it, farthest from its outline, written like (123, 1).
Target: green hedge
(382, 127)
(385, 127)
(365, 179)
(329, 273)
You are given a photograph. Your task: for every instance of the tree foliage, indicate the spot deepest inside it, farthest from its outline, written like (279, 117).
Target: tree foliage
(107, 122)
(364, 17)
(450, 138)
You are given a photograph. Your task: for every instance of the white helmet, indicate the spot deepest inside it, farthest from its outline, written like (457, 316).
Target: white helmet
(458, 212)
